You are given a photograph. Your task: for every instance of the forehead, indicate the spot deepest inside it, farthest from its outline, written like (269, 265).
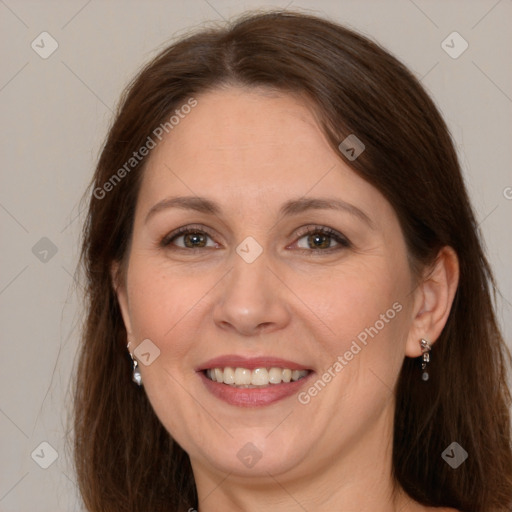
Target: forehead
(237, 126)
(251, 147)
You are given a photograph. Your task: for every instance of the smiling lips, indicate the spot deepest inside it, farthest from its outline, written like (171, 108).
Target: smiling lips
(251, 382)
(246, 378)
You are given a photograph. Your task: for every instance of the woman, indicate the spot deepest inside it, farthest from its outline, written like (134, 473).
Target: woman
(281, 254)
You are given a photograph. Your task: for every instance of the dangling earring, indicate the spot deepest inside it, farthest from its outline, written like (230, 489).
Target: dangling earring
(425, 349)
(136, 376)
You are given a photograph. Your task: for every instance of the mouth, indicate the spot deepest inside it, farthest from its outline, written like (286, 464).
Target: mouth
(245, 378)
(252, 382)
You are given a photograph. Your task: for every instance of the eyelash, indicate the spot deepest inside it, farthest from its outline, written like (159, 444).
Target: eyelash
(343, 242)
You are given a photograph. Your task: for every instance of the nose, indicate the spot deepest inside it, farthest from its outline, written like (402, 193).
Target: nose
(251, 299)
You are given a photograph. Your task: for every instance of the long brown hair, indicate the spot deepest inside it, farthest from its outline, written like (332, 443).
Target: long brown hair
(125, 459)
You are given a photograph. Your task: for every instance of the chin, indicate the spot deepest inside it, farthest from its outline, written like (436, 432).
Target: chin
(257, 455)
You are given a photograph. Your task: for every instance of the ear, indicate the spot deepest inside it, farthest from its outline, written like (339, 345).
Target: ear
(433, 301)
(122, 296)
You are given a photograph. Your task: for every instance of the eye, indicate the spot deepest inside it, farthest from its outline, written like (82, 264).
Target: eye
(317, 239)
(320, 238)
(192, 238)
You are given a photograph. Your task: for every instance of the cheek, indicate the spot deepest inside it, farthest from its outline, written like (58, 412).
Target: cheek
(157, 300)
(355, 297)
(367, 315)
(365, 309)
(149, 296)
(167, 304)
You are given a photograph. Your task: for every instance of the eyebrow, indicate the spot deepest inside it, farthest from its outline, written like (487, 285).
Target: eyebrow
(291, 207)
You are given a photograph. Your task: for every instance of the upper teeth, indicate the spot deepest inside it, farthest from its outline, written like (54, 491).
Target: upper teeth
(257, 377)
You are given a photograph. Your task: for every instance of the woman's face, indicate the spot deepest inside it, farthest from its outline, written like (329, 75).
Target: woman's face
(272, 279)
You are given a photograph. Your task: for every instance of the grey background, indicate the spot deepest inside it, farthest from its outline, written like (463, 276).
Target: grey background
(55, 114)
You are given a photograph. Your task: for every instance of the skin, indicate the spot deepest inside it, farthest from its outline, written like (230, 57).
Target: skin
(250, 151)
